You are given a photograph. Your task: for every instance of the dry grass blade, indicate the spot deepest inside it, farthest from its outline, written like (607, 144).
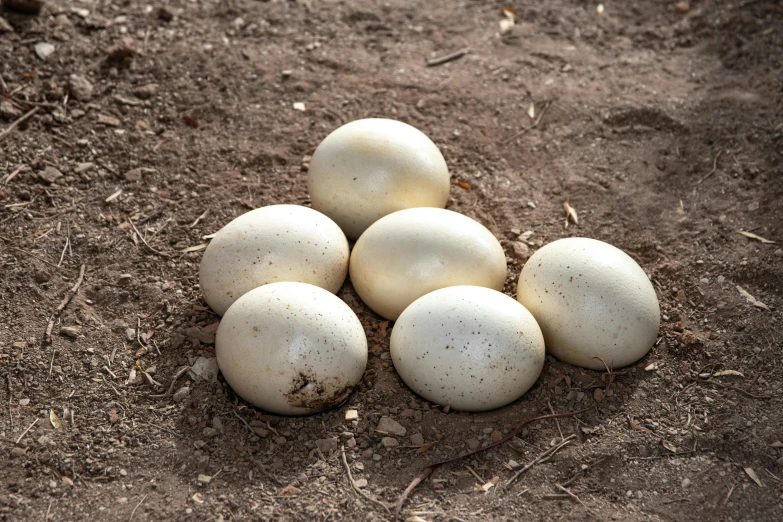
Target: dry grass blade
(751, 235)
(753, 476)
(752, 300)
(162, 254)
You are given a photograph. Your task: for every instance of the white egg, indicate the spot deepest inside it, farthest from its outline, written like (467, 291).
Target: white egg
(291, 348)
(369, 168)
(273, 244)
(410, 253)
(591, 300)
(470, 347)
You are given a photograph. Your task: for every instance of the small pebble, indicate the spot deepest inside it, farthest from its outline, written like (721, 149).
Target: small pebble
(686, 482)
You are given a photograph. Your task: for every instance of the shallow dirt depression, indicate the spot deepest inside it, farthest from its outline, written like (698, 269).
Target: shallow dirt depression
(658, 122)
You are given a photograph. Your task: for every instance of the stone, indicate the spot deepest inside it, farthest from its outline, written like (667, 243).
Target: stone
(181, 394)
(8, 111)
(70, 331)
(50, 175)
(417, 439)
(43, 50)
(205, 368)
(280, 440)
(122, 49)
(5, 27)
(203, 480)
(520, 250)
(473, 444)
(80, 87)
(165, 14)
(31, 7)
(351, 415)
(360, 483)
(326, 445)
(367, 454)
(346, 435)
(145, 92)
(682, 7)
(497, 436)
(109, 121)
(779, 252)
(389, 442)
(81, 168)
(350, 443)
(18, 452)
(261, 432)
(209, 432)
(200, 334)
(130, 334)
(391, 426)
(686, 483)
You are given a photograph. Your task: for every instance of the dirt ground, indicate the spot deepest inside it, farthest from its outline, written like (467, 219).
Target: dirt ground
(660, 125)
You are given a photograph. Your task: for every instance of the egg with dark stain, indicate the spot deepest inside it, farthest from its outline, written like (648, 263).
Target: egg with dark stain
(291, 348)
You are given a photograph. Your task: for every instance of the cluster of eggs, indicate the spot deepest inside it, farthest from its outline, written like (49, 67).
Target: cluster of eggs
(288, 345)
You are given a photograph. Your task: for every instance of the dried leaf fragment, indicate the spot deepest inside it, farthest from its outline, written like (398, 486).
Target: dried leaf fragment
(426, 446)
(752, 475)
(721, 373)
(56, 424)
(754, 236)
(531, 111)
(462, 184)
(752, 300)
(669, 446)
(570, 214)
(382, 326)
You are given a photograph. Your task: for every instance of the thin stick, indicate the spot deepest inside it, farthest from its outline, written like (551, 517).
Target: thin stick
(25, 431)
(145, 241)
(557, 423)
(177, 375)
(356, 488)
(743, 392)
(13, 174)
(249, 427)
(51, 365)
(426, 472)
(48, 510)
(542, 456)
(569, 493)
(3, 84)
(42, 260)
(202, 216)
(728, 496)
(15, 124)
(10, 400)
(714, 168)
(532, 126)
(447, 58)
(161, 228)
(137, 507)
(72, 292)
(62, 254)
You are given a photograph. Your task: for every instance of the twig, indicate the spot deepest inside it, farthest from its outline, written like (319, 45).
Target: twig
(63, 304)
(549, 452)
(15, 124)
(202, 216)
(447, 58)
(62, 254)
(10, 400)
(12, 247)
(728, 495)
(3, 84)
(177, 375)
(25, 431)
(13, 174)
(740, 390)
(145, 241)
(569, 493)
(249, 427)
(51, 365)
(46, 518)
(551, 409)
(426, 472)
(714, 168)
(137, 507)
(356, 488)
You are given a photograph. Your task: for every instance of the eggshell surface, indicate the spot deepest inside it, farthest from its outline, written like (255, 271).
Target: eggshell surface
(591, 300)
(472, 348)
(369, 168)
(410, 253)
(273, 244)
(291, 348)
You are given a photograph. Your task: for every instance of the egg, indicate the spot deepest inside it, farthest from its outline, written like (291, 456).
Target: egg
(273, 244)
(592, 301)
(412, 252)
(291, 348)
(369, 168)
(470, 347)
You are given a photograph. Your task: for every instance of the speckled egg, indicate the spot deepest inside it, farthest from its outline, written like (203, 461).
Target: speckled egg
(369, 168)
(291, 348)
(592, 301)
(470, 347)
(410, 253)
(273, 244)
